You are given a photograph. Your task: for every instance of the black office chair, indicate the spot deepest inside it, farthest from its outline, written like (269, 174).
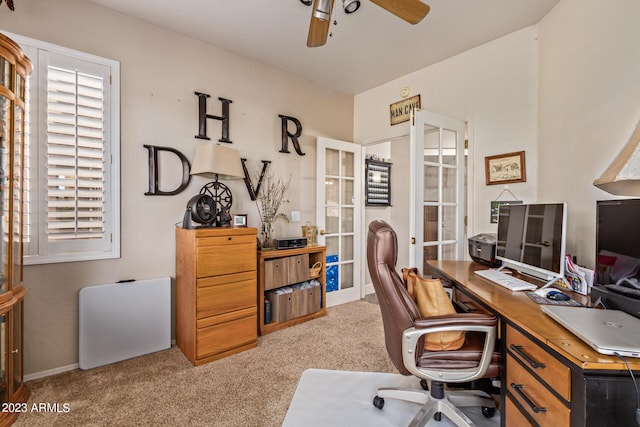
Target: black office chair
(404, 332)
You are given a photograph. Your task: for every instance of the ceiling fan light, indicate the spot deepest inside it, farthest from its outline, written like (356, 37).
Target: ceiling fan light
(322, 10)
(350, 6)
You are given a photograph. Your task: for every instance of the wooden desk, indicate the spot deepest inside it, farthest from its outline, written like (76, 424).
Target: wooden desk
(551, 377)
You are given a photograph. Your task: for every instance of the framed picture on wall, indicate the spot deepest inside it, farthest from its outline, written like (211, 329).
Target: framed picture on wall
(505, 168)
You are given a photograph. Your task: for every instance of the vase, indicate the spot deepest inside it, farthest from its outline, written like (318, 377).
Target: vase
(266, 234)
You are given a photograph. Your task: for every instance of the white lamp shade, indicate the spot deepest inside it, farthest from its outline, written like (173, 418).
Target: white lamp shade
(215, 159)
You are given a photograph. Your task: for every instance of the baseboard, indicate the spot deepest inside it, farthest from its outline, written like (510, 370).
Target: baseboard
(368, 289)
(60, 370)
(50, 372)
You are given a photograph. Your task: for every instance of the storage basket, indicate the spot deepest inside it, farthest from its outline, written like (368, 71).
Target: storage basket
(315, 269)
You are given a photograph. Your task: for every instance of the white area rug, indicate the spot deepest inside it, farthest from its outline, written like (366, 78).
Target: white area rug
(340, 399)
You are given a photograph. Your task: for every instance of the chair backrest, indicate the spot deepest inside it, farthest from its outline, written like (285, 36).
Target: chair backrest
(397, 308)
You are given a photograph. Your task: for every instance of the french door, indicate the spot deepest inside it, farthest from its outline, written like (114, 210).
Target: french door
(338, 217)
(437, 188)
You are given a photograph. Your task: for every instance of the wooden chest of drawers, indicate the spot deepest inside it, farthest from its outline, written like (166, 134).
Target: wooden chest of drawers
(216, 292)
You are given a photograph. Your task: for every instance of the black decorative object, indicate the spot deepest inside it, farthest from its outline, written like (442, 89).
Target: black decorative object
(377, 183)
(201, 209)
(294, 136)
(203, 116)
(154, 172)
(253, 193)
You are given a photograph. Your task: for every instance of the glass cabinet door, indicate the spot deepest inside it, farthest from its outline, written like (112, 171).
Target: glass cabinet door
(5, 173)
(16, 348)
(16, 198)
(4, 392)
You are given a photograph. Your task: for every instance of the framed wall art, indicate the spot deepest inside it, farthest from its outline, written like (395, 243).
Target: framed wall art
(240, 220)
(505, 168)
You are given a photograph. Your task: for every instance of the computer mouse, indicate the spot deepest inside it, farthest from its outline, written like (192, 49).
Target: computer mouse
(558, 296)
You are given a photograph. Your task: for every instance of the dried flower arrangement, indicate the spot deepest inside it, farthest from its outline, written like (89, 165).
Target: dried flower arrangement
(269, 201)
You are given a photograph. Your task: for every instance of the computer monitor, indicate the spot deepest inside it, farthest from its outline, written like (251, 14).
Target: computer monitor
(617, 240)
(531, 239)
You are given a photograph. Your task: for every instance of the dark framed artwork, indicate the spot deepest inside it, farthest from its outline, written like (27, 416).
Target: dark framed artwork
(240, 220)
(505, 168)
(377, 185)
(495, 208)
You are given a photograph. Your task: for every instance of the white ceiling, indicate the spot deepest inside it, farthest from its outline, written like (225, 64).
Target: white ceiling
(366, 49)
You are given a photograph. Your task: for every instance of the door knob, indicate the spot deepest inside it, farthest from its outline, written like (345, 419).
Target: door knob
(322, 232)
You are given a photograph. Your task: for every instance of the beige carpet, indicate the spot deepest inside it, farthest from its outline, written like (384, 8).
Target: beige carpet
(253, 388)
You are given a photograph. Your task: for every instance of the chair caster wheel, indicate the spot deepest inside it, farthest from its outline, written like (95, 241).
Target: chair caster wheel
(424, 384)
(488, 412)
(378, 402)
(437, 416)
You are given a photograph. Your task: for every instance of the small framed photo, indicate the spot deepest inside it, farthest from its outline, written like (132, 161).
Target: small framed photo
(240, 220)
(505, 168)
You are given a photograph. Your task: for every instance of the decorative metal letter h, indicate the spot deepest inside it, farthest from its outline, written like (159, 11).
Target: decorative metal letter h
(203, 116)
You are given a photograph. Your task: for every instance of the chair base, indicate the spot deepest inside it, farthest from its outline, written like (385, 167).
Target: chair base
(448, 406)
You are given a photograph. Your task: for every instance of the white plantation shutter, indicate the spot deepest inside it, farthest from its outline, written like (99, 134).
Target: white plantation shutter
(73, 156)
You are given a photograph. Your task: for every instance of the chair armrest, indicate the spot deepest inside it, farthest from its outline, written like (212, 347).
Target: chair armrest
(455, 322)
(458, 319)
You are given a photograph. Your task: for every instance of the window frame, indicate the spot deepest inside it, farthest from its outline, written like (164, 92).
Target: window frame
(37, 248)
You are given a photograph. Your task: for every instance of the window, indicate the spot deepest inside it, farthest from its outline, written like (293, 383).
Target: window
(72, 173)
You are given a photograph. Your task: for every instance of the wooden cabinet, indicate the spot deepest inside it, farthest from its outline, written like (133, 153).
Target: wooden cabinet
(216, 309)
(549, 376)
(14, 68)
(538, 383)
(282, 268)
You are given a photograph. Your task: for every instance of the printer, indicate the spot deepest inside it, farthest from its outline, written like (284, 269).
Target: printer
(482, 249)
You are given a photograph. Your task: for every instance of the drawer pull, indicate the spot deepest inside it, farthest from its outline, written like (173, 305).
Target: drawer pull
(518, 349)
(518, 389)
(465, 307)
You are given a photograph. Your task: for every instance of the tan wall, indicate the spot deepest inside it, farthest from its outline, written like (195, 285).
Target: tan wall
(160, 71)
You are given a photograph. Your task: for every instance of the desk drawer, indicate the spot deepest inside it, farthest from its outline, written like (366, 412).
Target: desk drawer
(225, 297)
(545, 366)
(534, 397)
(513, 416)
(226, 336)
(225, 259)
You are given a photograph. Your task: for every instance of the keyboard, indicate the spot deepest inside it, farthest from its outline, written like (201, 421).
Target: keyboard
(506, 280)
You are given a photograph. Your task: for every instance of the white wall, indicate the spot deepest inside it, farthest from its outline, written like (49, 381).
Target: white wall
(589, 105)
(494, 88)
(160, 72)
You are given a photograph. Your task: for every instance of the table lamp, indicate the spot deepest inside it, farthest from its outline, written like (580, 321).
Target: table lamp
(217, 161)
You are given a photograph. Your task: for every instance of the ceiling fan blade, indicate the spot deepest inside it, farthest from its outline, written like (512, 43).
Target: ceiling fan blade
(320, 22)
(411, 11)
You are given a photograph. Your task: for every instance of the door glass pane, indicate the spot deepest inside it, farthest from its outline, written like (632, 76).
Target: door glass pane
(346, 276)
(347, 164)
(347, 220)
(430, 254)
(347, 248)
(431, 183)
(331, 219)
(449, 251)
(430, 224)
(449, 147)
(449, 222)
(332, 162)
(332, 245)
(449, 186)
(332, 191)
(347, 192)
(5, 127)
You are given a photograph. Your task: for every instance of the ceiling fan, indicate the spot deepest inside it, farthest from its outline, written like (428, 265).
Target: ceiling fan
(411, 11)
